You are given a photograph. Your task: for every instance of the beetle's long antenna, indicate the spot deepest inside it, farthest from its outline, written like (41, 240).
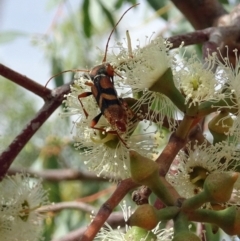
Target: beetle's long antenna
(105, 56)
(66, 71)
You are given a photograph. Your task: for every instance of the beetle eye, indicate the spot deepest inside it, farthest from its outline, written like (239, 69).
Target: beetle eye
(109, 70)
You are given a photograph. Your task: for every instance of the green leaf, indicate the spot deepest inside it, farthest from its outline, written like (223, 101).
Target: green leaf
(57, 68)
(9, 36)
(156, 5)
(224, 1)
(87, 23)
(119, 3)
(108, 14)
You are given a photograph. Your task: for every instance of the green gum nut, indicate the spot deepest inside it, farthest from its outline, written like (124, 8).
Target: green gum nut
(186, 236)
(165, 85)
(136, 234)
(144, 217)
(220, 125)
(147, 217)
(143, 170)
(218, 186)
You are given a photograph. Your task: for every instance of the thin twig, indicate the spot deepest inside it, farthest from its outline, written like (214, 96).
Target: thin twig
(25, 82)
(169, 153)
(60, 174)
(8, 156)
(56, 207)
(196, 37)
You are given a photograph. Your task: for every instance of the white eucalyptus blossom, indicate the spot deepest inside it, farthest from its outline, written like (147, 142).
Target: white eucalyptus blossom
(72, 103)
(231, 76)
(197, 81)
(20, 199)
(144, 65)
(108, 234)
(192, 167)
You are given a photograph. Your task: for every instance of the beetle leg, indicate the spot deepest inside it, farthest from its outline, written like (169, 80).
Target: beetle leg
(89, 83)
(95, 121)
(85, 94)
(120, 138)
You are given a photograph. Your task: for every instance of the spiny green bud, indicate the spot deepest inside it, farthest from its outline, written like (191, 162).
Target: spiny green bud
(218, 186)
(220, 125)
(137, 234)
(186, 236)
(144, 217)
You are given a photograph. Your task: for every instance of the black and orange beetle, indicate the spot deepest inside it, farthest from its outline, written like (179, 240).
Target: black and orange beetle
(113, 108)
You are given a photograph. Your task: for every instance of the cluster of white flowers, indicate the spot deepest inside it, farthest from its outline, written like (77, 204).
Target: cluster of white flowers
(141, 70)
(20, 199)
(212, 84)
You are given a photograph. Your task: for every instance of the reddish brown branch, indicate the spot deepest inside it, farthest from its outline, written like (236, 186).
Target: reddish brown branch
(196, 37)
(56, 207)
(169, 153)
(24, 81)
(106, 209)
(201, 14)
(8, 156)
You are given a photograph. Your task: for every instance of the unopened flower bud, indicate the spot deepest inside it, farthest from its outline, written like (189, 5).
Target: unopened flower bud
(142, 168)
(144, 217)
(220, 125)
(218, 186)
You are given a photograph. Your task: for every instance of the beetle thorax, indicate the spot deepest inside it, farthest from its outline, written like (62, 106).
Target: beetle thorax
(102, 69)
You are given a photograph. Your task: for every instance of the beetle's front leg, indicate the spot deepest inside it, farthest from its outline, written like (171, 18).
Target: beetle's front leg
(83, 95)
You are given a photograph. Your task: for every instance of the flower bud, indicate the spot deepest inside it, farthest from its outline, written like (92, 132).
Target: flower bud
(144, 217)
(220, 125)
(145, 172)
(218, 186)
(147, 217)
(142, 168)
